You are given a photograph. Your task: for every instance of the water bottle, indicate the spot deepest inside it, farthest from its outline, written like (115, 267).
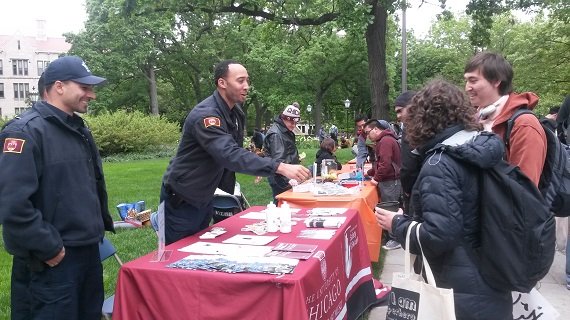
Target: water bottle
(271, 216)
(285, 218)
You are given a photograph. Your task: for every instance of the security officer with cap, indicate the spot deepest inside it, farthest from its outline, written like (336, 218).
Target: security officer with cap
(210, 152)
(54, 202)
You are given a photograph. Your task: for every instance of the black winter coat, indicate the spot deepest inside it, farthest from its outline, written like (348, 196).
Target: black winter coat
(445, 199)
(323, 154)
(52, 189)
(279, 144)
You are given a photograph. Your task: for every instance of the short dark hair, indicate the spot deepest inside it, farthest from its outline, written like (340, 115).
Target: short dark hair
(221, 69)
(494, 68)
(360, 117)
(372, 123)
(404, 99)
(554, 110)
(328, 144)
(41, 87)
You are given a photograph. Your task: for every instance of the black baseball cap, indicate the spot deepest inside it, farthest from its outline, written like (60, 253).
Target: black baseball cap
(70, 68)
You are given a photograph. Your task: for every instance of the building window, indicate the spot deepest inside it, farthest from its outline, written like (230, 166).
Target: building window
(42, 65)
(1, 68)
(20, 67)
(21, 91)
(2, 90)
(20, 110)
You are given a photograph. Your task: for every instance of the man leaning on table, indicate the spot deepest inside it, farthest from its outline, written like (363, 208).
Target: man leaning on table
(210, 152)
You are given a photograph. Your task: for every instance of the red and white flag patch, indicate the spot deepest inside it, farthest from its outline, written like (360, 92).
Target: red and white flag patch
(212, 121)
(13, 145)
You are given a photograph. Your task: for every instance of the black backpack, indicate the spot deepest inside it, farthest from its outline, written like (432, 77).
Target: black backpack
(517, 230)
(554, 181)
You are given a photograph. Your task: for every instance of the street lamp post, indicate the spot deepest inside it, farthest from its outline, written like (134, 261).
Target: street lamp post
(309, 109)
(33, 97)
(346, 106)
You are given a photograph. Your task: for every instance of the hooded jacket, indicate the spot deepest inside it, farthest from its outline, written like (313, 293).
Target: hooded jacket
(388, 157)
(446, 200)
(527, 148)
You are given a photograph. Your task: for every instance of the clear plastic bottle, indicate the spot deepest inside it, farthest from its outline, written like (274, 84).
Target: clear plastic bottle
(285, 218)
(271, 217)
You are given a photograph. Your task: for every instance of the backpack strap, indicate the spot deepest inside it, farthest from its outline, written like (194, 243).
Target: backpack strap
(511, 123)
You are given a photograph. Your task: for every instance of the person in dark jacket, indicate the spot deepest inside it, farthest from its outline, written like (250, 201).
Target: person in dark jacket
(326, 152)
(563, 121)
(210, 152)
(54, 209)
(443, 128)
(279, 144)
(411, 163)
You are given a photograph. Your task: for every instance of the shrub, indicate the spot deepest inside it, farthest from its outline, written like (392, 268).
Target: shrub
(122, 132)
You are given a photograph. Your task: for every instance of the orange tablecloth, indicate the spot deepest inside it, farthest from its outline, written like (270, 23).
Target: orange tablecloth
(364, 202)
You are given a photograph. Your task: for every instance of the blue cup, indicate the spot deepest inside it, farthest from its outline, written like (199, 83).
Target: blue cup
(123, 209)
(140, 206)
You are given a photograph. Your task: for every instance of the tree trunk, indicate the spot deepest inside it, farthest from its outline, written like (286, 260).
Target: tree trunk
(153, 91)
(376, 45)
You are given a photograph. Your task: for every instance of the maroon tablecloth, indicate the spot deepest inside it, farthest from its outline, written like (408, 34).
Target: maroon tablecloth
(337, 287)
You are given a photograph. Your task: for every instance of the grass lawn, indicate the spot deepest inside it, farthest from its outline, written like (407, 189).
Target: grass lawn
(141, 180)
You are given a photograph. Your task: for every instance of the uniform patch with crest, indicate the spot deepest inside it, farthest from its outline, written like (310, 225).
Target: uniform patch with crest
(13, 145)
(212, 121)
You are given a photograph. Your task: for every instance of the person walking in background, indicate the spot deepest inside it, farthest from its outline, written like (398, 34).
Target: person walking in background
(386, 172)
(54, 200)
(442, 126)
(210, 152)
(488, 83)
(326, 151)
(321, 135)
(280, 145)
(333, 132)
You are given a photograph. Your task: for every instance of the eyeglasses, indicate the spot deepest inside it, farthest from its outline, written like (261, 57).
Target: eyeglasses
(367, 132)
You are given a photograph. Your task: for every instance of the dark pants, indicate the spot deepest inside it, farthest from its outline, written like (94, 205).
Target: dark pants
(278, 184)
(182, 219)
(71, 290)
(21, 306)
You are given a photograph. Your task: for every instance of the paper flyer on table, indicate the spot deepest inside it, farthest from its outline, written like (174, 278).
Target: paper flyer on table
(227, 249)
(250, 239)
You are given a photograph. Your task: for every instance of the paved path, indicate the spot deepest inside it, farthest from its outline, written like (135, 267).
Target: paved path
(552, 287)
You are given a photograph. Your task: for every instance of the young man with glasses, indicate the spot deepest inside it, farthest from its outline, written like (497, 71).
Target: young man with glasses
(386, 172)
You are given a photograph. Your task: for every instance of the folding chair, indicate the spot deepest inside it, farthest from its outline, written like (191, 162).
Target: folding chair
(226, 205)
(106, 250)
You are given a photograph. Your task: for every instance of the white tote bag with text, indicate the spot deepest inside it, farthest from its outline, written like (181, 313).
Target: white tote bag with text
(412, 298)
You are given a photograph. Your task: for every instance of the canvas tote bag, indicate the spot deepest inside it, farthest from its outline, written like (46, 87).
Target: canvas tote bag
(412, 298)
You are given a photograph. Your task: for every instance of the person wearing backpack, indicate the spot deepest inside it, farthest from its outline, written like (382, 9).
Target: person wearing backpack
(488, 83)
(442, 127)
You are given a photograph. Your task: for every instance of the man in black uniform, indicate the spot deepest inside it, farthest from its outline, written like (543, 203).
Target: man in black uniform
(53, 201)
(210, 152)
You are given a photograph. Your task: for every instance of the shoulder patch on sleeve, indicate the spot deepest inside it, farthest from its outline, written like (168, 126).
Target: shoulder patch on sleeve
(13, 145)
(212, 121)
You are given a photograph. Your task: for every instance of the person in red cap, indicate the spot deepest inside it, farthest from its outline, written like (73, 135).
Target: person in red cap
(54, 202)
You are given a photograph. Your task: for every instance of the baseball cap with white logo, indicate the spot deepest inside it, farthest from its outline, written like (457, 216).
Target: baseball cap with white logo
(70, 68)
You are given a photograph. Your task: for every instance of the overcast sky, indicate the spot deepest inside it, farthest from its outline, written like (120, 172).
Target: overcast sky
(19, 16)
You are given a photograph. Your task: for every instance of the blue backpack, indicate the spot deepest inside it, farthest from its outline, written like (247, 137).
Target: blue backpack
(554, 181)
